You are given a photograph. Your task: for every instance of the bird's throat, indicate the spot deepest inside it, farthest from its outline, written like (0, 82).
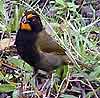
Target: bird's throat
(25, 44)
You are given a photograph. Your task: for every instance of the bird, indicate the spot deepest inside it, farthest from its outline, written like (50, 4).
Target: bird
(28, 42)
(36, 47)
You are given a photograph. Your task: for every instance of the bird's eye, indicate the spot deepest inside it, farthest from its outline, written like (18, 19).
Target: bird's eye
(34, 18)
(31, 17)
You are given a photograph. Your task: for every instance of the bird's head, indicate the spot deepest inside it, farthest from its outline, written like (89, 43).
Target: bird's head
(31, 22)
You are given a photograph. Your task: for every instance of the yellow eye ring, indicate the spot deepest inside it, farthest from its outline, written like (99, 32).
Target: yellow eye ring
(29, 16)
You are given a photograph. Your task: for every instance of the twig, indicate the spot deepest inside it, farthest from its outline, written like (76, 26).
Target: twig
(92, 88)
(44, 84)
(66, 83)
(59, 91)
(8, 65)
(38, 93)
(50, 86)
(36, 3)
(44, 5)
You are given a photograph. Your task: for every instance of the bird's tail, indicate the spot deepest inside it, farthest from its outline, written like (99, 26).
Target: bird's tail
(75, 62)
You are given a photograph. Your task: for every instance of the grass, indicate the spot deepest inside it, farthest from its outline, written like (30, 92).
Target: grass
(69, 28)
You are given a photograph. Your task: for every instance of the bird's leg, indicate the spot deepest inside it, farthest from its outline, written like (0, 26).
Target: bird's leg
(45, 84)
(35, 87)
(44, 78)
(51, 85)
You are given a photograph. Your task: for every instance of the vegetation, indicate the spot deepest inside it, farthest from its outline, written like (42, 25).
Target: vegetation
(75, 24)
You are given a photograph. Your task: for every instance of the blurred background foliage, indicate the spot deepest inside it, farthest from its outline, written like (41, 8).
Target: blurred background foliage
(76, 28)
